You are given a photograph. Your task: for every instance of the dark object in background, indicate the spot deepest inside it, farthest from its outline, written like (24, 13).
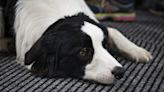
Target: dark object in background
(7, 46)
(158, 9)
(154, 6)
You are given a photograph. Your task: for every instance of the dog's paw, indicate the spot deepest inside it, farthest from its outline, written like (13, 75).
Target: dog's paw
(140, 55)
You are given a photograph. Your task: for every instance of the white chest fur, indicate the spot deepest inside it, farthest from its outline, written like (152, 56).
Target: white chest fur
(33, 17)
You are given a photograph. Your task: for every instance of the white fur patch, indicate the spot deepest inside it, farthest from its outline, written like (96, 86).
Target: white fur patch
(102, 63)
(132, 50)
(33, 17)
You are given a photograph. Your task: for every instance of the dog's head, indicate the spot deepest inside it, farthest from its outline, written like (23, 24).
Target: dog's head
(74, 47)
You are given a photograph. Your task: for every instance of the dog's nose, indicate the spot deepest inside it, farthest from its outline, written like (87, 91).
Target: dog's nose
(118, 72)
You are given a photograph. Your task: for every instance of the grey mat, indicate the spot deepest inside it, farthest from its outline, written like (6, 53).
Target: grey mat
(147, 31)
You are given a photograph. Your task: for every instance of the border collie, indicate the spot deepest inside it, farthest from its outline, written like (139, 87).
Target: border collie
(63, 38)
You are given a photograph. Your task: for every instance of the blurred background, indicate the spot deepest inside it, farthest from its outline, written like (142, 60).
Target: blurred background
(124, 10)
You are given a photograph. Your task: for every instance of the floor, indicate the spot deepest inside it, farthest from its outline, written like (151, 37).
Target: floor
(147, 31)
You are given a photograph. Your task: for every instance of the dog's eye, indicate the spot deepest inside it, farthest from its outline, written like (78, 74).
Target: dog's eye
(84, 52)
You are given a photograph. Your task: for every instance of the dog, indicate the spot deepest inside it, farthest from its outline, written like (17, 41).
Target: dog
(63, 38)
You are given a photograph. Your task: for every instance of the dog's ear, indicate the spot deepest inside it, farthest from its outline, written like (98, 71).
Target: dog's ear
(34, 53)
(39, 67)
(46, 65)
(44, 56)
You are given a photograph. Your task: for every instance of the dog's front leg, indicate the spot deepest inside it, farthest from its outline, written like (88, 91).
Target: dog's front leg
(127, 48)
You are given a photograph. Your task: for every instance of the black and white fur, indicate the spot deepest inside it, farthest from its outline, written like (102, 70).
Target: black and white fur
(63, 38)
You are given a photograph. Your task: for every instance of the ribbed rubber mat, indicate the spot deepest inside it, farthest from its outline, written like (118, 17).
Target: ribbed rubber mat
(147, 31)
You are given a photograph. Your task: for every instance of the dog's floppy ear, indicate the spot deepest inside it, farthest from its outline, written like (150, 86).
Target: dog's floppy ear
(39, 67)
(46, 64)
(35, 52)
(44, 56)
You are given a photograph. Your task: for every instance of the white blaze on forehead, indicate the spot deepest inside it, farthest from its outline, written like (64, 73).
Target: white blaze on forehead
(96, 35)
(94, 32)
(102, 62)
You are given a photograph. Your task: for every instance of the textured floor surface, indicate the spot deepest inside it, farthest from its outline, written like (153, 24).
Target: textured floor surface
(147, 31)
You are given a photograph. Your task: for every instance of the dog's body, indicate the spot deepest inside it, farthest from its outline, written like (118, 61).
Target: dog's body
(63, 38)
